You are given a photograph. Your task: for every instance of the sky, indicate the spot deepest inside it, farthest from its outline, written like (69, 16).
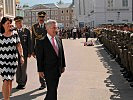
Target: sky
(33, 2)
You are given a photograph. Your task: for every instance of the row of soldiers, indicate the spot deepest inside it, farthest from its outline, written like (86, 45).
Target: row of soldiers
(30, 39)
(118, 41)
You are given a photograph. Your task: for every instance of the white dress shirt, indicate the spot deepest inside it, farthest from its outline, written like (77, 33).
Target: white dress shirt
(21, 29)
(41, 25)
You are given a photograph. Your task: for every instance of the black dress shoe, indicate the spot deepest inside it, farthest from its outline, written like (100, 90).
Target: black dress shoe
(117, 60)
(123, 70)
(42, 87)
(130, 79)
(20, 87)
(126, 75)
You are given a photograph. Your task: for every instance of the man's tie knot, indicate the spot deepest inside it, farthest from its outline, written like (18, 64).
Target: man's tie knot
(41, 26)
(19, 30)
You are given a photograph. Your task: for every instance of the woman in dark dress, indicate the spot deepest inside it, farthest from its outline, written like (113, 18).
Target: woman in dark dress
(9, 45)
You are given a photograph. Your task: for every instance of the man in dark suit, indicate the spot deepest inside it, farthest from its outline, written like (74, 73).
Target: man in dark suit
(38, 33)
(52, 60)
(25, 38)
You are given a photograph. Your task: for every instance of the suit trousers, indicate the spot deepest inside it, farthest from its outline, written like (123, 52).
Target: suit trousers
(52, 85)
(21, 75)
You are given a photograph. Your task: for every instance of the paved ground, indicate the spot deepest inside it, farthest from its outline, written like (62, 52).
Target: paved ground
(90, 75)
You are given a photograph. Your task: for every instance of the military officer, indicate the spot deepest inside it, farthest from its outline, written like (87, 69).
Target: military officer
(25, 38)
(38, 33)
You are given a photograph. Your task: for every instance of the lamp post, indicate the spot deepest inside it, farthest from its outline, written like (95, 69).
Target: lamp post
(31, 18)
(50, 13)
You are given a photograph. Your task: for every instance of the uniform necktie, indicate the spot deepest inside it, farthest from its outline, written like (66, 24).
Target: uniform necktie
(41, 26)
(54, 46)
(19, 30)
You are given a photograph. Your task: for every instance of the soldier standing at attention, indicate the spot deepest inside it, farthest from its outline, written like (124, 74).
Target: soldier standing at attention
(38, 34)
(25, 38)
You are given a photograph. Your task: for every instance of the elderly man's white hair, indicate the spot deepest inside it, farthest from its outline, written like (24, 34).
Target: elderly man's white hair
(50, 22)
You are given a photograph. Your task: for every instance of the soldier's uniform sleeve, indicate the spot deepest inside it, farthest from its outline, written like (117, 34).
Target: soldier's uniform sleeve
(29, 41)
(33, 41)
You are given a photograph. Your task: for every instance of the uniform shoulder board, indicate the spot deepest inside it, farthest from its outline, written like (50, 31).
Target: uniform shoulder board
(33, 25)
(26, 28)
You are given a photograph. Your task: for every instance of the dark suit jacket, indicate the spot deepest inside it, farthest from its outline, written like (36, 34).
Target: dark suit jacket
(49, 62)
(25, 38)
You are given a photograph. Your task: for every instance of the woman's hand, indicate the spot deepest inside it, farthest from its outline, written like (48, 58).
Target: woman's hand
(22, 60)
(41, 74)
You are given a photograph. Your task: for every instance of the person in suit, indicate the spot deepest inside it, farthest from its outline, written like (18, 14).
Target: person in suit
(74, 32)
(87, 33)
(38, 33)
(25, 38)
(52, 60)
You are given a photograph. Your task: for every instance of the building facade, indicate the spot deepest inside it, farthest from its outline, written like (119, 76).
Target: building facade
(9, 8)
(104, 12)
(81, 8)
(19, 9)
(1, 9)
(61, 12)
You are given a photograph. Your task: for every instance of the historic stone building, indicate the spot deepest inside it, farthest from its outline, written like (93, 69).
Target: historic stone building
(9, 8)
(61, 12)
(95, 12)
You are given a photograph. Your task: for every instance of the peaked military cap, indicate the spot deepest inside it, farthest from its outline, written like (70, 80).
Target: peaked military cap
(41, 14)
(18, 18)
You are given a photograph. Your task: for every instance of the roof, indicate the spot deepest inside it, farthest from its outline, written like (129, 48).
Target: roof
(50, 5)
(44, 6)
(64, 5)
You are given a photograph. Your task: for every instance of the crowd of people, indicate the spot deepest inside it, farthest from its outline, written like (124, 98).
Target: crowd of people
(118, 42)
(76, 32)
(18, 44)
